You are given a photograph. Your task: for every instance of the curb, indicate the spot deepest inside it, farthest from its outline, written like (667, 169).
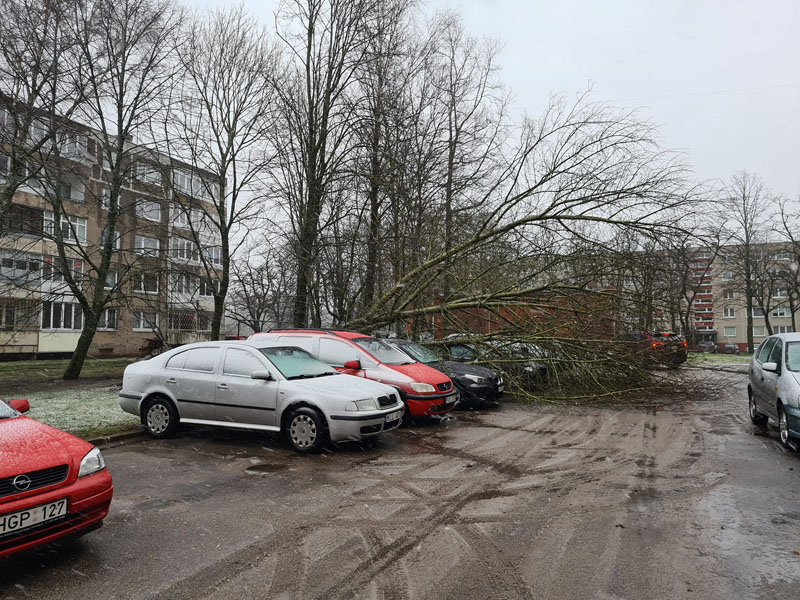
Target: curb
(741, 370)
(118, 438)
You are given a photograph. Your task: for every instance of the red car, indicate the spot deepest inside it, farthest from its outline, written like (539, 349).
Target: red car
(424, 390)
(52, 484)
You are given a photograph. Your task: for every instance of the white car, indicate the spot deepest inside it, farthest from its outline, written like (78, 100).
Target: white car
(265, 386)
(774, 388)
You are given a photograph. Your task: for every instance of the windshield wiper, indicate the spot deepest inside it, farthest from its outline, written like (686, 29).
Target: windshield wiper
(310, 375)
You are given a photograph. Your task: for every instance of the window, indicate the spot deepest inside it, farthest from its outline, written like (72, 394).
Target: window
(146, 283)
(299, 341)
(776, 353)
(117, 238)
(729, 332)
(782, 329)
(112, 278)
(61, 315)
(781, 311)
(25, 219)
(213, 255)
(66, 192)
(757, 312)
(703, 254)
(207, 288)
(17, 314)
(727, 275)
(52, 269)
(765, 349)
(73, 229)
(149, 210)
(781, 255)
(105, 199)
(179, 218)
(184, 284)
(73, 144)
(728, 313)
(781, 293)
(196, 359)
(106, 164)
(758, 331)
(148, 174)
(182, 249)
(241, 363)
(145, 320)
(336, 353)
(729, 295)
(146, 246)
(108, 320)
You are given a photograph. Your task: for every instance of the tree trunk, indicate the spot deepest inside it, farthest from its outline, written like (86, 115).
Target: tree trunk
(75, 365)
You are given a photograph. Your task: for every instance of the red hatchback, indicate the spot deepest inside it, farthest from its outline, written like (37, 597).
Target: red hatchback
(424, 390)
(52, 484)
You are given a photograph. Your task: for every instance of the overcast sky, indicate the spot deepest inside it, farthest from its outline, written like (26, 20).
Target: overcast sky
(721, 77)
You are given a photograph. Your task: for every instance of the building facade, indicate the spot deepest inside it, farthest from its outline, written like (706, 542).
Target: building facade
(164, 265)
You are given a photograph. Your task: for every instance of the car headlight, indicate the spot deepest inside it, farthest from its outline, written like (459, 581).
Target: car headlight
(422, 388)
(475, 378)
(365, 404)
(92, 463)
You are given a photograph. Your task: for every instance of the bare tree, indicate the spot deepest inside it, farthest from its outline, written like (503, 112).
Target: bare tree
(217, 134)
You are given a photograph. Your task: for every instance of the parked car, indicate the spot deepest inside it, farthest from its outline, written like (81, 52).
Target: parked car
(729, 349)
(664, 348)
(774, 387)
(706, 346)
(474, 383)
(52, 484)
(525, 361)
(425, 391)
(260, 385)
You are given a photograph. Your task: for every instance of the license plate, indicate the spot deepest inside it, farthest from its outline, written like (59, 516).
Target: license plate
(24, 519)
(393, 416)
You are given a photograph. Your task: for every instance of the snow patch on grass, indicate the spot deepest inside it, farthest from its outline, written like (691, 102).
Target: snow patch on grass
(86, 412)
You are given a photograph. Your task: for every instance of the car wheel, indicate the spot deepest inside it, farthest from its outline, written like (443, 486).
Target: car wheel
(783, 428)
(160, 418)
(756, 417)
(306, 430)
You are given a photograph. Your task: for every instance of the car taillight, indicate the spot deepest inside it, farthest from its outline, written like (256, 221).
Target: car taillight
(657, 344)
(682, 344)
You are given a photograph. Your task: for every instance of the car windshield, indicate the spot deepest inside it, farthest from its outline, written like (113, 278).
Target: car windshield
(419, 353)
(6, 412)
(296, 363)
(383, 352)
(793, 356)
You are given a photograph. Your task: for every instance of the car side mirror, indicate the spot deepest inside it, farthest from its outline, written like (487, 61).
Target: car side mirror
(264, 375)
(20, 405)
(352, 364)
(770, 366)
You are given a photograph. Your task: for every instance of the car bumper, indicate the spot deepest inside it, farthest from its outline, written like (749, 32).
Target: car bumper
(88, 500)
(479, 393)
(421, 406)
(353, 426)
(130, 402)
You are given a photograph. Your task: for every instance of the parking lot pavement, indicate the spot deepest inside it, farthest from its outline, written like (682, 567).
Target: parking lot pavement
(684, 501)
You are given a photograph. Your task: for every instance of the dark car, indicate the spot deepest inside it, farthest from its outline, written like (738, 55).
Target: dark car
(526, 362)
(475, 384)
(729, 349)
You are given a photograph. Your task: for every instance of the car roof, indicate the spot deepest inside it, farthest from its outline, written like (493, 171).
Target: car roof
(789, 337)
(337, 332)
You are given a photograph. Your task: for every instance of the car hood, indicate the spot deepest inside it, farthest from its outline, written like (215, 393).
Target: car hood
(456, 368)
(27, 445)
(348, 387)
(421, 372)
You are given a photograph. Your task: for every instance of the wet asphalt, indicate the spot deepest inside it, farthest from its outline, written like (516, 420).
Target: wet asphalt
(673, 499)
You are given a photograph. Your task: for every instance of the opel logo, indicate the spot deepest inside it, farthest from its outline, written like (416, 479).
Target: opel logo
(21, 482)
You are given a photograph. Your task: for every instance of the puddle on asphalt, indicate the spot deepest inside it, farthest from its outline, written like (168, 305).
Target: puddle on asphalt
(264, 468)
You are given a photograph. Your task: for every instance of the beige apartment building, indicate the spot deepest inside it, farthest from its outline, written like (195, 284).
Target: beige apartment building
(720, 302)
(161, 291)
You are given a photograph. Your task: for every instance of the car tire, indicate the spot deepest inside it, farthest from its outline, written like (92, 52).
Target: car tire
(305, 430)
(783, 429)
(159, 417)
(756, 417)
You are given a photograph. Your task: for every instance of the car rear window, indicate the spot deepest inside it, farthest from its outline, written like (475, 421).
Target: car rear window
(793, 356)
(383, 352)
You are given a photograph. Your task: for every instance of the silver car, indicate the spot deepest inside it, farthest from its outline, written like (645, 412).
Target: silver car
(257, 385)
(774, 389)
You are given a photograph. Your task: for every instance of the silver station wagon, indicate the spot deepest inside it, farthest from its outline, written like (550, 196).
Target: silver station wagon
(774, 388)
(257, 385)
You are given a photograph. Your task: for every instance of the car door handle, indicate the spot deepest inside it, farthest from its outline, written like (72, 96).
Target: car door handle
(172, 380)
(222, 386)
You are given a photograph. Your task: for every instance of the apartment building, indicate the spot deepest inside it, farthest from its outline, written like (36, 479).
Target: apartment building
(720, 302)
(163, 270)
